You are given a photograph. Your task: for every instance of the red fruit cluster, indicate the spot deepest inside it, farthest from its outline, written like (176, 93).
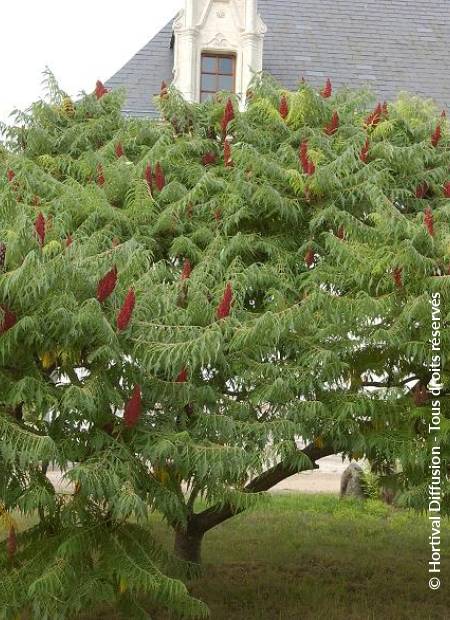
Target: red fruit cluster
(2, 255)
(100, 89)
(10, 175)
(428, 220)
(39, 227)
(331, 127)
(149, 177)
(208, 159)
(119, 150)
(183, 376)
(228, 116)
(283, 108)
(126, 311)
(11, 543)
(307, 164)
(132, 411)
(446, 189)
(9, 320)
(397, 275)
(160, 179)
(224, 307)
(422, 190)
(436, 136)
(227, 154)
(187, 270)
(327, 90)
(364, 153)
(375, 117)
(310, 258)
(107, 285)
(420, 395)
(100, 176)
(164, 91)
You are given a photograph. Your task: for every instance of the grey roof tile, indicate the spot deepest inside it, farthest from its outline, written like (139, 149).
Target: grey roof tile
(393, 45)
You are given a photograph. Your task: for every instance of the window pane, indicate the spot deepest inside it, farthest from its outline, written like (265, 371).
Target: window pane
(226, 83)
(206, 97)
(209, 82)
(226, 66)
(209, 64)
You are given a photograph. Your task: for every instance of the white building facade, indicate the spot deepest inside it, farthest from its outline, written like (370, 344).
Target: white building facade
(218, 46)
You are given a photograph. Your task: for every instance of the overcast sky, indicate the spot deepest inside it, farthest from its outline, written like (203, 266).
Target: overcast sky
(79, 41)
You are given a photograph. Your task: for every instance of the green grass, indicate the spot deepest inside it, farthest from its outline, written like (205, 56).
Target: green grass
(314, 557)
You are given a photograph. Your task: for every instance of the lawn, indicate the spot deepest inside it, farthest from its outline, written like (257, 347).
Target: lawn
(314, 557)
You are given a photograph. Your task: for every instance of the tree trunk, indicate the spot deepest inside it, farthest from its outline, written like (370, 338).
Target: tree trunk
(188, 545)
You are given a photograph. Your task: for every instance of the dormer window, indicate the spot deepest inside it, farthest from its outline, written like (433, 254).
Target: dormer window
(218, 72)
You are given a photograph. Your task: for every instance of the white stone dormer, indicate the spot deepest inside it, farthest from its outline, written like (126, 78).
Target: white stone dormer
(218, 46)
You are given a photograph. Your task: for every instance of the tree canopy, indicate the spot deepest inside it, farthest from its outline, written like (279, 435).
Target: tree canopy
(182, 300)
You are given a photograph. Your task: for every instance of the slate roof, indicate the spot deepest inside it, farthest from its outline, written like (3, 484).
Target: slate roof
(390, 45)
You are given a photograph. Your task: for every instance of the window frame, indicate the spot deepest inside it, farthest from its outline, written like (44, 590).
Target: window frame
(217, 74)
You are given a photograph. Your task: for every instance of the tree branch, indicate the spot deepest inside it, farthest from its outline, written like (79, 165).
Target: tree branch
(206, 520)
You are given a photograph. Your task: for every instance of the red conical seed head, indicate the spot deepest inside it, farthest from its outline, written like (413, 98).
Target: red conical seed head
(8, 321)
(397, 274)
(163, 90)
(132, 411)
(228, 116)
(2, 255)
(443, 114)
(310, 258)
(283, 108)
(107, 285)
(428, 220)
(333, 125)
(10, 175)
(224, 308)
(364, 153)
(39, 227)
(227, 154)
(420, 395)
(100, 89)
(217, 215)
(208, 159)
(11, 543)
(374, 118)
(69, 240)
(187, 270)
(119, 150)
(436, 136)
(183, 376)
(446, 189)
(126, 312)
(149, 177)
(160, 179)
(421, 190)
(311, 168)
(304, 159)
(327, 90)
(100, 176)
